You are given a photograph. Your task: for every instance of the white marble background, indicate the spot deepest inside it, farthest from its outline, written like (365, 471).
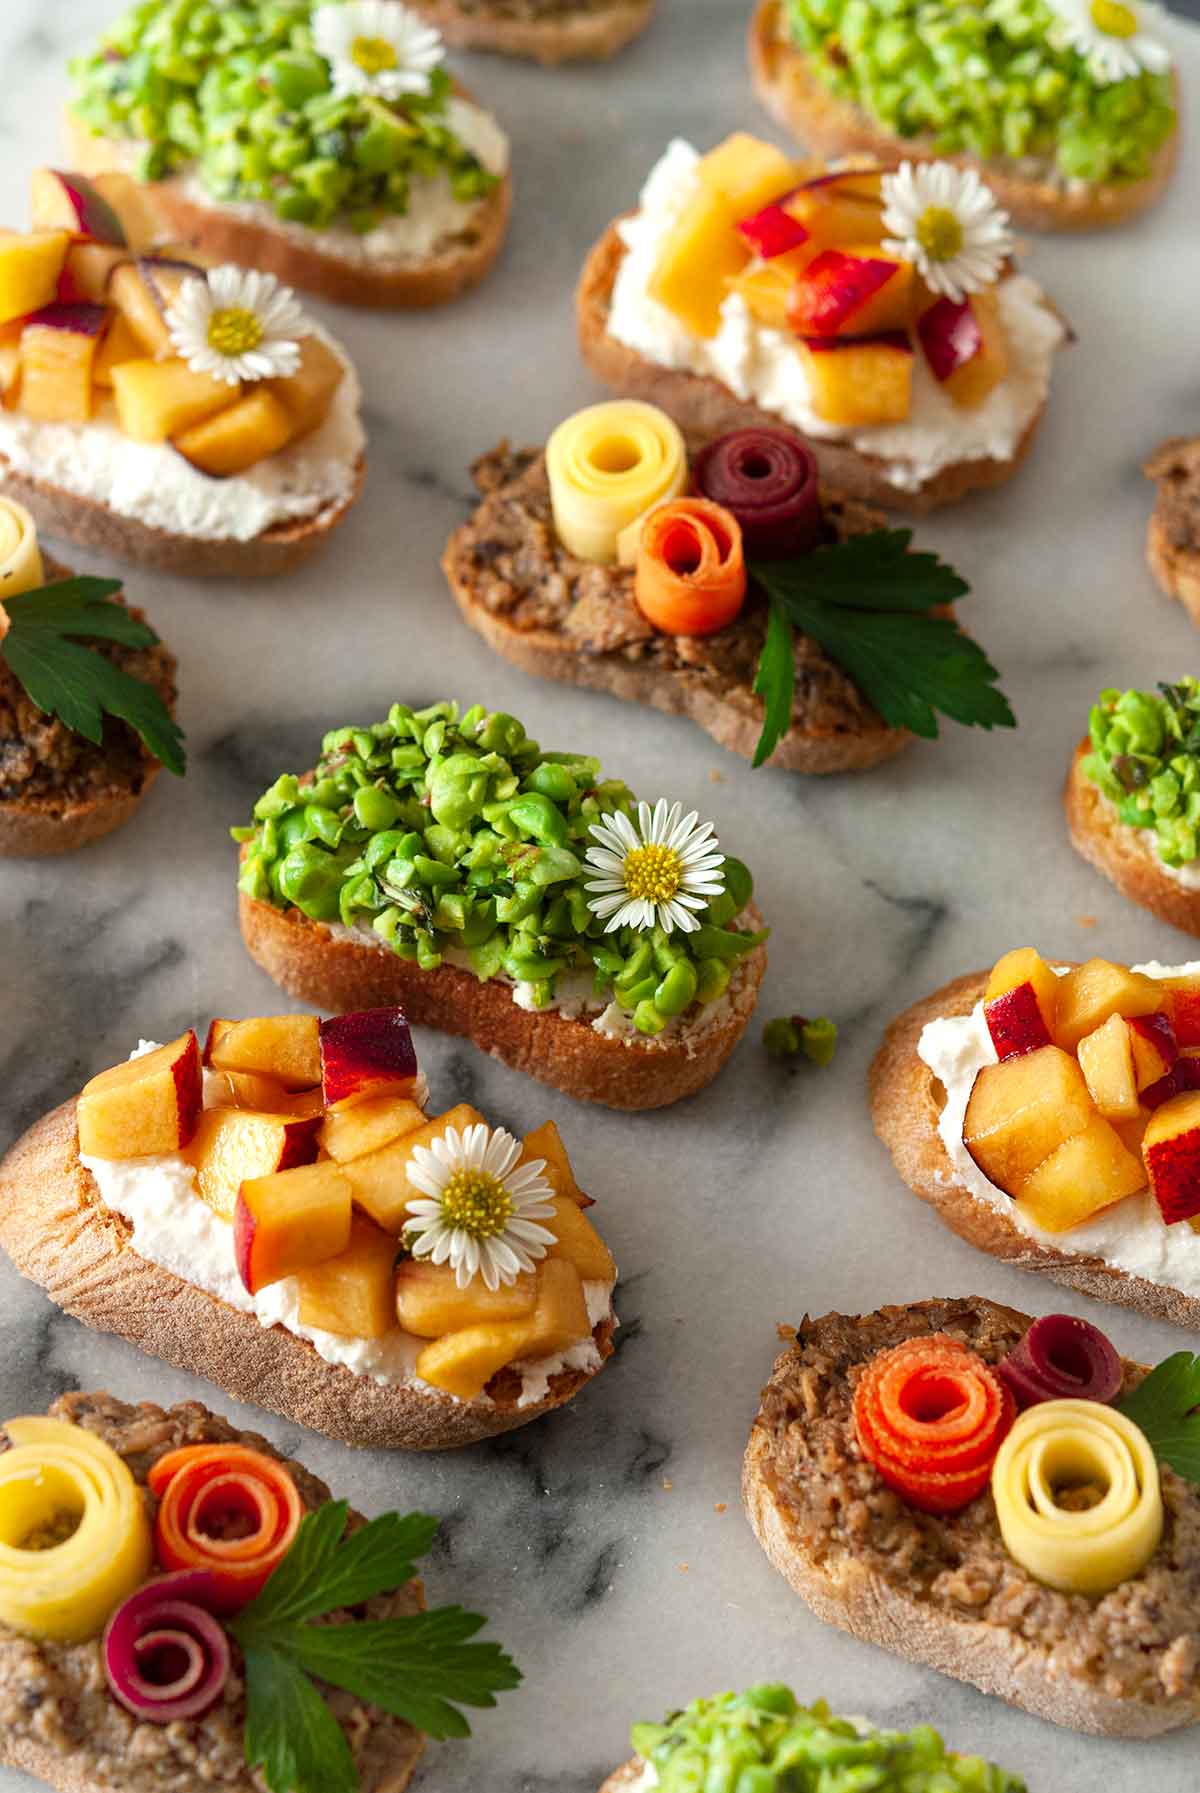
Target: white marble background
(608, 1544)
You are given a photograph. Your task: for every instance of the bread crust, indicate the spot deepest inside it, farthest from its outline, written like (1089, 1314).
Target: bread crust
(339, 976)
(60, 1234)
(1125, 855)
(843, 1591)
(588, 37)
(228, 235)
(1176, 570)
(626, 1776)
(704, 407)
(906, 1106)
(798, 99)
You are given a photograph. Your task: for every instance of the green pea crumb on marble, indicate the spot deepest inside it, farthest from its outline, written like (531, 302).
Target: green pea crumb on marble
(239, 92)
(1146, 759)
(457, 834)
(764, 1741)
(989, 78)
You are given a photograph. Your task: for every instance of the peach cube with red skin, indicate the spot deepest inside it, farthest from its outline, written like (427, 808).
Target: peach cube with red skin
(58, 355)
(63, 200)
(1171, 1153)
(1091, 993)
(1154, 1048)
(859, 380)
(145, 1107)
(1087, 1172)
(366, 1054)
(1183, 1006)
(964, 345)
(352, 1294)
(840, 209)
(234, 1145)
(1020, 1111)
(859, 291)
(289, 1220)
(1020, 1002)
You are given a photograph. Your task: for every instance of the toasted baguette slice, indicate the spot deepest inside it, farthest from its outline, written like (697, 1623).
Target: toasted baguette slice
(628, 1775)
(339, 976)
(906, 1105)
(42, 825)
(817, 1509)
(590, 35)
(1173, 537)
(306, 258)
(833, 728)
(60, 1234)
(1125, 855)
(69, 1754)
(797, 98)
(704, 407)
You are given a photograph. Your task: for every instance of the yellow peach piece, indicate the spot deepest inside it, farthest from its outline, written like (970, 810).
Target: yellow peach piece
(1091, 993)
(1021, 1110)
(252, 430)
(429, 1302)
(351, 1294)
(30, 264)
(307, 394)
(286, 1047)
(578, 1242)
(560, 1318)
(157, 399)
(463, 1363)
(380, 1179)
(353, 1132)
(1089, 1171)
(144, 1107)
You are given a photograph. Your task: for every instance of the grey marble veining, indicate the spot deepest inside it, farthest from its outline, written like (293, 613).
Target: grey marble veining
(608, 1544)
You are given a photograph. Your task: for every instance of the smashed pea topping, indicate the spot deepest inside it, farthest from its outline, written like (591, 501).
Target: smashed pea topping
(1146, 758)
(762, 1741)
(238, 92)
(986, 77)
(448, 834)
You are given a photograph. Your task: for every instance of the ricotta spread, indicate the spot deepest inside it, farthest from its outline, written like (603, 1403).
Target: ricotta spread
(176, 1229)
(1129, 1235)
(766, 366)
(152, 484)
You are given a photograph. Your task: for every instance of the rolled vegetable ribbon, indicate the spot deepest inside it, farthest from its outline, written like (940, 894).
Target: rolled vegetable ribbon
(165, 1655)
(1059, 1455)
(691, 572)
(225, 1508)
(21, 566)
(607, 466)
(74, 1535)
(930, 1415)
(1060, 1358)
(768, 479)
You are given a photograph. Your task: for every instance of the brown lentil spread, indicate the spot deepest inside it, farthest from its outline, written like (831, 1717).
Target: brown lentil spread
(1175, 468)
(540, 10)
(1141, 1641)
(519, 570)
(56, 1695)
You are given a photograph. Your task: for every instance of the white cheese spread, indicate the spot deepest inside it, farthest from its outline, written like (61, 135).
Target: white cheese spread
(1129, 1235)
(766, 366)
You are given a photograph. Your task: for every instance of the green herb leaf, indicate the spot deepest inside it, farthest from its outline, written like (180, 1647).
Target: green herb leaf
(878, 571)
(420, 1666)
(775, 682)
(1167, 1408)
(76, 684)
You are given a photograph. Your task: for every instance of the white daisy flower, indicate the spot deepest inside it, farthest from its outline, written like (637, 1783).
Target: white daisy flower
(1116, 38)
(376, 46)
(236, 325)
(483, 1205)
(659, 871)
(946, 222)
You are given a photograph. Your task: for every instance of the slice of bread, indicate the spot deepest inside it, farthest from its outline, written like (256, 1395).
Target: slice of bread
(704, 407)
(1173, 537)
(75, 1753)
(797, 98)
(588, 35)
(906, 1105)
(44, 823)
(628, 1775)
(949, 1596)
(309, 259)
(339, 975)
(59, 1233)
(833, 729)
(1127, 856)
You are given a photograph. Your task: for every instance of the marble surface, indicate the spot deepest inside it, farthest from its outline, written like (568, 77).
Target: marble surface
(608, 1544)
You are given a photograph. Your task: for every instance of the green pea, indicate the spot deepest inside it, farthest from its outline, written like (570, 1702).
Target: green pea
(712, 979)
(374, 808)
(554, 782)
(536, 815)
(311, 879)
(677, 990)
(629, 995)
(647, 1019)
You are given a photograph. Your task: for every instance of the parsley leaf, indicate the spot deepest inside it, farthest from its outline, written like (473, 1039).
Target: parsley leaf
(866, 601)
(1167, 1408)
(420, 1666)
(73, 682)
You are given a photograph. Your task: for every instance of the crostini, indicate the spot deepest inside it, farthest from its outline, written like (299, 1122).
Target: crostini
(1051, 1116)
(606, 561)
(185, 416)
(547, 31)
(443, 861)
(281, 1215)
(1131, 798)
(1173, 538)
(749, 290)
(1003, 1499)
(87, 701)
(1069, 112)
(159, 1575)
(323, 143)
(764, 1738)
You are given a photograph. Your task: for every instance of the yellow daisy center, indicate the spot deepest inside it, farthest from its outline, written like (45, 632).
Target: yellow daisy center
(373, 54)
(476, 1202)
(234, 330)
(939, 232)
(1114, 19)
(653, 873)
